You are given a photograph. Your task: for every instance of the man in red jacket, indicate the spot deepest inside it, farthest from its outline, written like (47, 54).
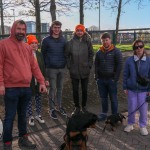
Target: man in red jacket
(17, 64)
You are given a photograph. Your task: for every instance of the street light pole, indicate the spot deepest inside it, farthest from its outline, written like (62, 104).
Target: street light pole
(99, 15)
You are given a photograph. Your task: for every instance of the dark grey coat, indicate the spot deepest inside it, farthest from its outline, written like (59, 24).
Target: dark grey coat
(79, 54)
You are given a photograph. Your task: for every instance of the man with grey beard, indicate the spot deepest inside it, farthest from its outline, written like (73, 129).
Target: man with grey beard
(17, 64)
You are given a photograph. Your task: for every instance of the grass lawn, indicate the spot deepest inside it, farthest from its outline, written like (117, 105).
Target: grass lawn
(121, 47)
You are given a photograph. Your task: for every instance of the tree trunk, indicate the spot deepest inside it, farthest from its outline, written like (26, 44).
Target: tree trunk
(38, 19)
(2, 18)
(118, 19)
(81, 11)
(53, 10)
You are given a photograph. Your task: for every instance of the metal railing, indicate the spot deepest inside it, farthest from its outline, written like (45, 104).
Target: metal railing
(125, 36)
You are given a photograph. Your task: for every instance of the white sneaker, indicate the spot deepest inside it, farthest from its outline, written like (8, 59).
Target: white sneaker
(143, 131)
(128, 128)
(31, 121)
(39, 119)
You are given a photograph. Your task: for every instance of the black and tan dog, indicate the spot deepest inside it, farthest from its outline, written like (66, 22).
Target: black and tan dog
(76, 132)
(112, 120)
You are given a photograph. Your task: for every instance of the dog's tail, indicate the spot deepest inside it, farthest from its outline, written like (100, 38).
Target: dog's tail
(62, 146)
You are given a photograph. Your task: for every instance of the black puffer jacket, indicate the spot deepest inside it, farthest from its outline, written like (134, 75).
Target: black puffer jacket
(79, 54)
(108, 64)
(53, 52)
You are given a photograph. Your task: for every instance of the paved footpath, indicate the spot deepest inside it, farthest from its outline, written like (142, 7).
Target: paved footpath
(49, 136)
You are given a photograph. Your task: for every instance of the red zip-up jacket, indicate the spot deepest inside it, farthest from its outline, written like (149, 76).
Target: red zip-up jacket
(17, 63)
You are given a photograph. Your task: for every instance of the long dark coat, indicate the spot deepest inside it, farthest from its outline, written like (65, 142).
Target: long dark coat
(79, 55)
(35, 88)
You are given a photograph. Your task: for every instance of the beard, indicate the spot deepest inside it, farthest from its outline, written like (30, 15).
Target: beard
(20, 36)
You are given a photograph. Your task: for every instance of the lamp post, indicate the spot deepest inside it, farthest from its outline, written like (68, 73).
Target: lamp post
(99, 15)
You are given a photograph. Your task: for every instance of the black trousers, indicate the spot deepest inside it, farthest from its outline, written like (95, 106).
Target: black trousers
(84, 87)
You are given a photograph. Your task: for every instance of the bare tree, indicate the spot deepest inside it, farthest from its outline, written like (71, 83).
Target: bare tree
(29, 11)
(53, 10)
(81, 11)
(60, 7)
(2, 18)
(64, 7)
(38, 18)
(118, 18)
(86, 4)
(3, 6)
(116, 5)
(140, 3)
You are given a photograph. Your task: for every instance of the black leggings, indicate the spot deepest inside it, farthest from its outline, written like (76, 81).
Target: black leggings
(75, 87)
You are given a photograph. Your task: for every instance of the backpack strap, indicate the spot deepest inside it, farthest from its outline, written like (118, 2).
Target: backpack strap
(136, 68)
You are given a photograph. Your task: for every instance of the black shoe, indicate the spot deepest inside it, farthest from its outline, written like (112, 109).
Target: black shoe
(102, 117)
(76, 111)
(61, 110)
(7, 146)
(53, 114)
(25, 143)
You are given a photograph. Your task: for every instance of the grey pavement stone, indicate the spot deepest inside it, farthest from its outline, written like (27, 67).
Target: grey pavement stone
(49, 136)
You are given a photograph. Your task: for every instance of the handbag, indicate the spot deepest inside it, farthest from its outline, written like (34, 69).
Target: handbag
(143, 81)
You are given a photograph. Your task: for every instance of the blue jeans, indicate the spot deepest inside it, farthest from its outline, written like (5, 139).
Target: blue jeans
(56, 80)
(108, 88)
(15, 99)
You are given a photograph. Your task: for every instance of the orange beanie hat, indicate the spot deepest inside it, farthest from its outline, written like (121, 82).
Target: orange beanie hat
(31, 38)
(80, 27)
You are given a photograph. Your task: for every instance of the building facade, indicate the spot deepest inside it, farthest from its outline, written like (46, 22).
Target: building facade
(31, 27)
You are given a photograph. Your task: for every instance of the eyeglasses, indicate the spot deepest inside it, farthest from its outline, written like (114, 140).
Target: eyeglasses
(139, 46)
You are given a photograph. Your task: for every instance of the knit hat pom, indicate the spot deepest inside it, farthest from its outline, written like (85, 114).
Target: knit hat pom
(31, 39)
(80, 27)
